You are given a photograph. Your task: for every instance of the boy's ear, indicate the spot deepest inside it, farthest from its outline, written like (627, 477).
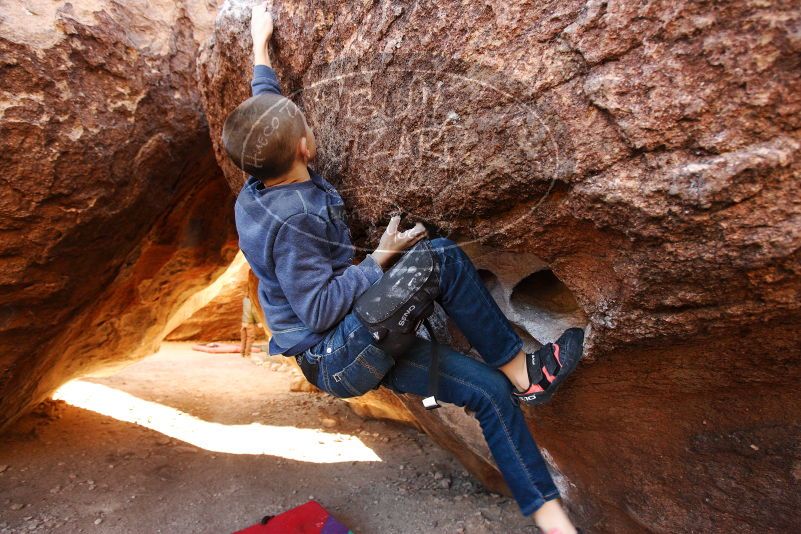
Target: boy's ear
(303, 150)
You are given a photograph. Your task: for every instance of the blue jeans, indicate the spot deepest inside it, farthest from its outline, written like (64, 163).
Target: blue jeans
(350, 365)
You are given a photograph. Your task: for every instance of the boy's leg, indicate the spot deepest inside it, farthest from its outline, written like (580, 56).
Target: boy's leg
(243, 339)
(465, 299)
(465, 381)
(250, 336)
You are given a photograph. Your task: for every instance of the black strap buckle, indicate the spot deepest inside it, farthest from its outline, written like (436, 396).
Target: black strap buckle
(431, 402)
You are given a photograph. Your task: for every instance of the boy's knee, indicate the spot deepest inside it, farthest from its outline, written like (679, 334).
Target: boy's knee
(447, 247)
(443, 243)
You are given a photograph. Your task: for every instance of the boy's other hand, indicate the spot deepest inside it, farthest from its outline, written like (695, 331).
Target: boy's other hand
(394, 242)
(261, 28)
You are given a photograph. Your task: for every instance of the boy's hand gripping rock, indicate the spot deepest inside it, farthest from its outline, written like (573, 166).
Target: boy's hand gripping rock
(261, 29)
(394, 242)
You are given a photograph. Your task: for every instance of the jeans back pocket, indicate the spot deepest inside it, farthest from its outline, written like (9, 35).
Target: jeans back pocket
(361, 375)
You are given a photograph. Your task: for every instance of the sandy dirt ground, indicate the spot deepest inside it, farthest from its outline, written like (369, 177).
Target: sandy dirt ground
(188, 442)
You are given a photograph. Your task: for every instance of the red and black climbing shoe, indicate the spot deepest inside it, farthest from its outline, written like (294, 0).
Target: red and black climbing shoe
(550, 365)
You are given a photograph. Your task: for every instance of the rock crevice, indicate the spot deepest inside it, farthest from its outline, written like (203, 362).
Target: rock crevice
(108, 176)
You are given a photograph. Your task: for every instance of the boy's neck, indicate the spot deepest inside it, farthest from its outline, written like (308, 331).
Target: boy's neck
(298, 173)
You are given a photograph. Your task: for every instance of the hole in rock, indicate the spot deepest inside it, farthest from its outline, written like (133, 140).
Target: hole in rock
(544, 306)
(545, 291)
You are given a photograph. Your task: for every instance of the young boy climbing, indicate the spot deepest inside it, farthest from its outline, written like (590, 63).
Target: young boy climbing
(293, 234)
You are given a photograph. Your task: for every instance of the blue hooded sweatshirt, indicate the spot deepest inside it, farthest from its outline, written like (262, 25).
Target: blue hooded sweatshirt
(297, 243)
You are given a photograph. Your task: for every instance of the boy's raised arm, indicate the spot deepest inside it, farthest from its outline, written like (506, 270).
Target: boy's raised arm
(261, 29)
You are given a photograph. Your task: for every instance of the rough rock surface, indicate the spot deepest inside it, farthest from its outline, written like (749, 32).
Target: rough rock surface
(632, 166)
(107, 177)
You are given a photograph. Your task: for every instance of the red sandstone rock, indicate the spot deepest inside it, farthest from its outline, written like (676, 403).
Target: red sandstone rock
(649, 155)
(113, 210)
